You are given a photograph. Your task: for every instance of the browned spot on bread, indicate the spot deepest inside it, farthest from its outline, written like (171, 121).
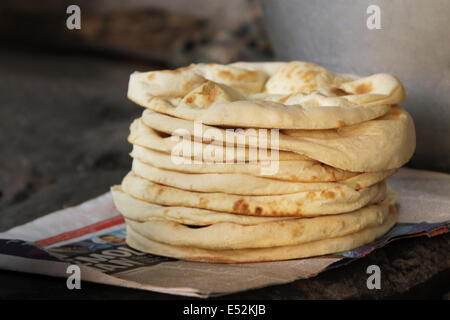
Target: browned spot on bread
(289, 73)
(365, 87)
(190, 99)
(358, 186)
(258, 210)
(212, 97)
(311, 195)
(339, 92)
(240, 206)
(284, 99)
(310, 74)
(248, 75)
(160, 191)
(210, 91)
(328, 194)
(150, 76)
(226, 74)
(340, 124)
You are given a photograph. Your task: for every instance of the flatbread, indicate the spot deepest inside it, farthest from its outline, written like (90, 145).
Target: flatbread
(301, 204)
(298, 95)
(144, 136)
(226, 235)
(315, 248)
(300, 171)
(245, 184)
(143, 211)
(354, 148)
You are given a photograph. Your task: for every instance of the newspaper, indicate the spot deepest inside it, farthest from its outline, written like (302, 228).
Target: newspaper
(92, 236)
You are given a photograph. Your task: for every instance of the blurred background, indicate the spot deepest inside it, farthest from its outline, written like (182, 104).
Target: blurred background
(64, 115)
(172, 33)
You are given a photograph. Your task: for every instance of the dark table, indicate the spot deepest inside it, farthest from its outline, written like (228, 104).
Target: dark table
(64, 119)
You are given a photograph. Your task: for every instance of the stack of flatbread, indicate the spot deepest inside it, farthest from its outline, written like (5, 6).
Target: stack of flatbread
(256, 162)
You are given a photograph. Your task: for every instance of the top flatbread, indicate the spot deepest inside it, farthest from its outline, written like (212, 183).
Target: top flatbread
(294, 95)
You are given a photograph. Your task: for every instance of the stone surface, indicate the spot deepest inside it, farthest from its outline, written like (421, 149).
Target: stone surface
(64, 120)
